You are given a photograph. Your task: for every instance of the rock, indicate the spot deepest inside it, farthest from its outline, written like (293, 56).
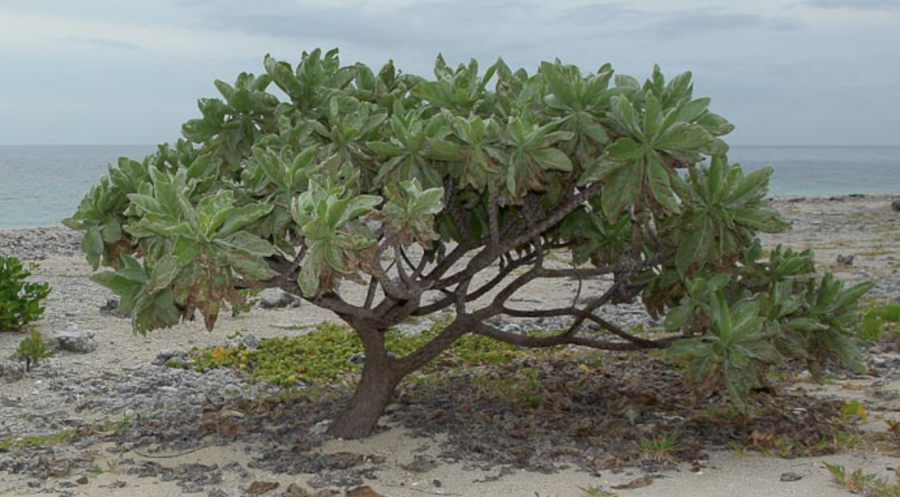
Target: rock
(12, 370)
(250, 342)
(845, 260)
(75, 340)
(790, 476)
(895, 205)
(111, 308)
(275, 298)
(176, 358)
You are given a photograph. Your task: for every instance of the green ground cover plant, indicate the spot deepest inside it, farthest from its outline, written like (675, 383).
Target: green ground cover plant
(322, 355)
(880, 320)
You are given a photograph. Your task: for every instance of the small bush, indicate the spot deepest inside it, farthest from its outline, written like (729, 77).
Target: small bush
(33, 349)
(20, 302)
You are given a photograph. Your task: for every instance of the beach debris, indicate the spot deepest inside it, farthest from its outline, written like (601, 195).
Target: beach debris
(261, 487)
(845, 260)
(111, 308)
(73, 339)
(363, 491)
(276, 298)
(420, 464)
(641, 482)
(790, 476)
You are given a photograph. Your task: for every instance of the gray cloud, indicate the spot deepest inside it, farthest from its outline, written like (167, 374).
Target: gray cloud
(704, 21)
(869, 5)
(105, 43)
(783, 73)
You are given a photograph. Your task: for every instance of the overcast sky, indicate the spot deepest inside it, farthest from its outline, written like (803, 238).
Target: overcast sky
(804, 72)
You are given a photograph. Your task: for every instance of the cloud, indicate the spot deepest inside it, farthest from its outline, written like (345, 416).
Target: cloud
(105, 43)
(704, 21)
(867, 5)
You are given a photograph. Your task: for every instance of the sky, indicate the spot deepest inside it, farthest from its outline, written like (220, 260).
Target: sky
(784, 72)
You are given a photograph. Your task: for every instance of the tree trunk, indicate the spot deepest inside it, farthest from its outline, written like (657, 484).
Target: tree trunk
(372, 394)
(381, 375)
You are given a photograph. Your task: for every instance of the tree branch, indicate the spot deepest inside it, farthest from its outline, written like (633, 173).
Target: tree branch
(565, 338)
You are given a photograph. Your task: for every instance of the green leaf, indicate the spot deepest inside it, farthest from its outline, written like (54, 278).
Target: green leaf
(696, 248)
(589, 125)
(625, 115)
(553, 159)
(92, 246)
(753, 186)
(243, 216)
(555, 77)
(163, 273)
(308, 280)
(683, 137)
(249, 243)
(626, 149)
(850, 296)
(652, 118)
(385, 149)
(678, 316)
(660, 185)
(623, 188)
(805, 324)
(690, 111)
(146, 203)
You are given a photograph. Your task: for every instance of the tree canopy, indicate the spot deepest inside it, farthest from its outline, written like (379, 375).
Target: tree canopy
(412, 187)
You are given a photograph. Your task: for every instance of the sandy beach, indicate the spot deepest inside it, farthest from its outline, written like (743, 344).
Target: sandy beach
(74, 391)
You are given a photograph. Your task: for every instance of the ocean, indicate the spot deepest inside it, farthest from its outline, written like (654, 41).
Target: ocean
(40, 185)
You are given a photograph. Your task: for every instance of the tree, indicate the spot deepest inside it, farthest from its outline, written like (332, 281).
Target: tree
(413, 187)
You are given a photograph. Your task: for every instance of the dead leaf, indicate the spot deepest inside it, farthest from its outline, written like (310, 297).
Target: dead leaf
(636, 483)
(325, 492)
(761, 439)
(261, 487)
(295, 490)
(362, 491)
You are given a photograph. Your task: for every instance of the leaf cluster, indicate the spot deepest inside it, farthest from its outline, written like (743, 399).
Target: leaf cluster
(20, 300)
(769, 310)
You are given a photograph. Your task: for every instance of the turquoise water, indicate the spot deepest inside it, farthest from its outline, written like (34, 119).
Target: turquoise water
(825, 171)
(40, 185)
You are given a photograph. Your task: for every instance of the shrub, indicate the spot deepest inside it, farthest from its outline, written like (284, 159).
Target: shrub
(20, 301)
(414, 188)
(33, 349)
